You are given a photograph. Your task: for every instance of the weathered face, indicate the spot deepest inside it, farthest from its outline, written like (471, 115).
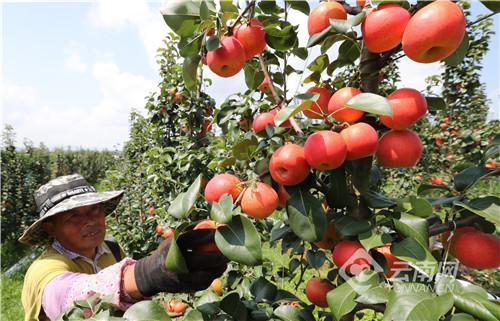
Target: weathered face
(80, 230)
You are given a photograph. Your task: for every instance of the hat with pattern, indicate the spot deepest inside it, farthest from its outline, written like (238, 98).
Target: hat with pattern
(62, 194)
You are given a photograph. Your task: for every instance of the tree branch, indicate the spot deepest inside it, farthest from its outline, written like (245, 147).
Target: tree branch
(451, 225)
(276, 97)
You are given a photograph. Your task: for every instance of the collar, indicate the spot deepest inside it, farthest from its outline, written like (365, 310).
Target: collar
(72, 255)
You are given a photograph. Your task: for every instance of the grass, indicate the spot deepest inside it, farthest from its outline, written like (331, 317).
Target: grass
(11, 307)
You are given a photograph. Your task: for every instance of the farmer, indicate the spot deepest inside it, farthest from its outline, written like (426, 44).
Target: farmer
(78, 262)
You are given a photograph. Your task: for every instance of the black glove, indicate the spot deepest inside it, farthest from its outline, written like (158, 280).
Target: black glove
(152, 276)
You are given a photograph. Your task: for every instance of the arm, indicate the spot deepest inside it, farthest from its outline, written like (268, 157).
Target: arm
(61, 291)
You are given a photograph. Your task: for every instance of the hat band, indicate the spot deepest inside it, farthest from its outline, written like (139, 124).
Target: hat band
(54, 200)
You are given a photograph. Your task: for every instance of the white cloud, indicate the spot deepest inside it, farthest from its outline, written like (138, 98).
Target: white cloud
(103, 125)
(142, 15)
(74, 63)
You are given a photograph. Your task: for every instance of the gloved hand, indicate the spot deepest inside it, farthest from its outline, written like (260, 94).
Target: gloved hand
(152, 276)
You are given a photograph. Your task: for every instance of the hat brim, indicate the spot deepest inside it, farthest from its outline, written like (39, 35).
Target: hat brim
(36, 235)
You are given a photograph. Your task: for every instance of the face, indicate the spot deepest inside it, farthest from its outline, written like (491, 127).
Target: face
(80, 230)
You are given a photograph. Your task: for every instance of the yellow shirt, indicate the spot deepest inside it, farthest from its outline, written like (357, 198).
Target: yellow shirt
(47, 266)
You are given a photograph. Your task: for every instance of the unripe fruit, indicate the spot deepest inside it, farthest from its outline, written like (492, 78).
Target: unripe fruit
(288, 165)
(320, 106)
(477, 250)
(316, 290)
(319, 18)
(361, 140)
(261, 121)
(159, 229)
(351, 256)
(176, 307)
(383, 27)
(393, 263)
(168, 233)
(151, 211)
(443, 125)
(259, 202)
(221, 184)
(325, 150)
(227, 60)
(252, 37)
(336, 105)
(408, 106)
(399, 148)
(330, 238)
(434, 32)
(264, 86)
(216, 286)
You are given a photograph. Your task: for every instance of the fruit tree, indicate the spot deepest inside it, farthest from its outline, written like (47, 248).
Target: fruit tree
(303, 182)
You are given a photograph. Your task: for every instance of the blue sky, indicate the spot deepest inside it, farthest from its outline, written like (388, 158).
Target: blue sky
(73, 71)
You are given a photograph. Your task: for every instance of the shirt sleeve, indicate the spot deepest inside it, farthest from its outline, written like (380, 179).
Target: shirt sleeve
(61, 291)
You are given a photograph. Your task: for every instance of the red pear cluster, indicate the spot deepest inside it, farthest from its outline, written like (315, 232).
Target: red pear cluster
(433, 33)
(248, 40)
(258, 200)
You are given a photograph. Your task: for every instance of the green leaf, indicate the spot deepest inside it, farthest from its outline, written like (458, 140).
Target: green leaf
(175, 260)
(183, 204)
(487, 207)
(190, 46)
(435, 103)
(458, 56)
(222, 211)
(316, 259)
(408, 249)
(350, 226)
(329, 41)
(341, 300)
(228, 6)
(348, 52)
(146, 310)
(190, 71)
(417, 306)
(308, 96)
(305, 214)
(378, 200)
(280, 36)
(239, 241)
(183, 17)
(318, 37)
(213, 43)
(232, 305)
(493, 5)
(374, 238)
(289, 111)
(263, 290)
(364, 281)
(473, 307)
(461, 317)
(371, 103)
(424, 188)
(299, 5)
(412, 226)
(468, 177)
(375, 295)
(344, 25)
(420, 207)
(287, 312)
(194, 315)
(319, 64)
(413, 251)
(207, 9)
(244, 149)
(253, 76)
